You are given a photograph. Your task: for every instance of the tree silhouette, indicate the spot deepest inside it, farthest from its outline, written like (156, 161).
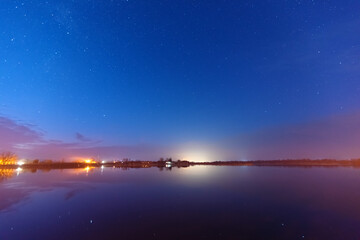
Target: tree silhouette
(8, 158)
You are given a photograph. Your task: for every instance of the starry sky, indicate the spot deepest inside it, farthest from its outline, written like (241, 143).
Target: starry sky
(201, 80)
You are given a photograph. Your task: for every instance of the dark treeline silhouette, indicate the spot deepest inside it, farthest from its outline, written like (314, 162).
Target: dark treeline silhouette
(8, 160)
(288, 162)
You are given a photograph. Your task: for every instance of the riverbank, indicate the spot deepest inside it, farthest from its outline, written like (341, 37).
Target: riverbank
(179, 164)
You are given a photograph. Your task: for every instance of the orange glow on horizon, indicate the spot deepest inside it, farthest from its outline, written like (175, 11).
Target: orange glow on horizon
(88, 161)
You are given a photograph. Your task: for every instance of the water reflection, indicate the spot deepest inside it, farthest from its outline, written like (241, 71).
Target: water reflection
(188, 203)
(6, 173)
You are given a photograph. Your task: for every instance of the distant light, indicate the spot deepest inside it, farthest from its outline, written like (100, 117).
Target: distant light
(103, 162)
(195, 155)
(20, 163)
(18, 170)
(88, 161)
(87, 169)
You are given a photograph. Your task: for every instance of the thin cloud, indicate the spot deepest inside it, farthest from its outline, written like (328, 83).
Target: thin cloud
(17, 135)
(82, 138)
(332, 137)
(27, 142)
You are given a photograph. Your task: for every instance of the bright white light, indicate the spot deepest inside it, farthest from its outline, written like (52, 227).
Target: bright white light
(18, 170)
(197, 156)
(20, 163)
(103, 162)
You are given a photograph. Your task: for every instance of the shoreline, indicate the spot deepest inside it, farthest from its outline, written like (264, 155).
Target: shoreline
(180, 164)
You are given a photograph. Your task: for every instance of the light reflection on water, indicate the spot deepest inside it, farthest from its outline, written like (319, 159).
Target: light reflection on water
(207, 202)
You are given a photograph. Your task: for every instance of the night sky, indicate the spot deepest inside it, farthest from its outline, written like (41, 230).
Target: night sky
(196, 80)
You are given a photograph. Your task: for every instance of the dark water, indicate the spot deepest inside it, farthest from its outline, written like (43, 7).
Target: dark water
(202, 202)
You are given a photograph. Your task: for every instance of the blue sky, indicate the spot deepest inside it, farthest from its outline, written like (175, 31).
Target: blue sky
(169, 74)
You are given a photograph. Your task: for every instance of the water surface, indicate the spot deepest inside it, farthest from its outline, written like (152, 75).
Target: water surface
(201, 202)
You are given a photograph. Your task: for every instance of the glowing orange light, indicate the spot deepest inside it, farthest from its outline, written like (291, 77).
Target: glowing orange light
(89, 161)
